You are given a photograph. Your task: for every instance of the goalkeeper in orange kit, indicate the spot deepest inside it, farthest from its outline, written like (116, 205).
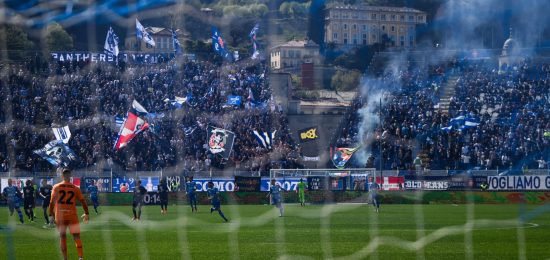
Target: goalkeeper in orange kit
(63, 211)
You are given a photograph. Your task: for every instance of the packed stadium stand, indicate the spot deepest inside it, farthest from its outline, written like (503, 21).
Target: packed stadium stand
(90, 97)
(461, 115)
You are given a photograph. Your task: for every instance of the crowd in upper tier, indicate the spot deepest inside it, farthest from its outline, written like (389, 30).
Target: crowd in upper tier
(510, 112)
(88, 98)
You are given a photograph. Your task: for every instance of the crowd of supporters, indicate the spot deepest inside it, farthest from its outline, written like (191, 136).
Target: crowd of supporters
(88, 98)
(510, 112)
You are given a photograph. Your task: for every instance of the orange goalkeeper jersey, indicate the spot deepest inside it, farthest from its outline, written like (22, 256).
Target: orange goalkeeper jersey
(63, 200)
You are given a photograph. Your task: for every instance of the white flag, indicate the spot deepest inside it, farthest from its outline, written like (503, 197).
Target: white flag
(141, 33)
(138, 107)
(111, 42)
(62, 133)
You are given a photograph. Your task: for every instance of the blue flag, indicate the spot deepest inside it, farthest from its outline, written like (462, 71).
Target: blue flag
(265, 139)
(218, 44)
(57, 153)
(340, 156)
(252, 35)
(177, 45)
(461, 123)
(111, 42)
(119, 120)
(189, 130)
(234, 100)
(177, 102)
(142, 34)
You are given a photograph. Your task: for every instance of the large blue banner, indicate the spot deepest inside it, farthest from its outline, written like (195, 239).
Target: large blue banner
(289, 184)
(103, 184)
(124, 184)
(223, 184)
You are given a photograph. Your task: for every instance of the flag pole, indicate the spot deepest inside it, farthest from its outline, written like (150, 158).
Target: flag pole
(380, 140)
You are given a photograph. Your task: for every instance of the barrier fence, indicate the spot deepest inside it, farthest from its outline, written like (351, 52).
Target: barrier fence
(315, 179)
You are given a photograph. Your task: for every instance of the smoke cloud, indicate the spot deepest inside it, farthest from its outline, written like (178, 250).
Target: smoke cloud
(460, 25)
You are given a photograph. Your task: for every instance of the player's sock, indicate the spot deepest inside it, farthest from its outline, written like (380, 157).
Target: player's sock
(63, 245)
(95, 208)
(135, 214)
(46, 217)
(221, 214)
(139, 213)
(20, 216)
(281, 210)
(78, 243)
(32, 214)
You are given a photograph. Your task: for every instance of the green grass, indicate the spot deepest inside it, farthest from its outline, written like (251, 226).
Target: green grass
(315, 232)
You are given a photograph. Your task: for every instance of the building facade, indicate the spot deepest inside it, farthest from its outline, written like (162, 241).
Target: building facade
(162, 37)
(356, 25)
(292, 54)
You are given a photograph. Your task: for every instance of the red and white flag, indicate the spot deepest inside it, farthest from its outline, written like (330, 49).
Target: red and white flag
(132, 126)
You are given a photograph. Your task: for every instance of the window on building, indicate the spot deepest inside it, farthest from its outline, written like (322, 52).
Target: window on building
(346, 16)
(345, 41)
(364, 36)
(355, 41)
(383, 17)
(298, 54)
(335, 27)
(383, 28)
(393, 17)
(411, 18)
(393, 28)
(420, 18)
(401, 29)
(402, 18)
(335, 36)
(373, 16)
(364, 27)
(354, 26)
(373, 36)
(411, 40)
(345, 26)
(402, 40)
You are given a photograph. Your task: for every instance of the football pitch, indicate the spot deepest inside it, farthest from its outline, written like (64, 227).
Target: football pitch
(345, 231)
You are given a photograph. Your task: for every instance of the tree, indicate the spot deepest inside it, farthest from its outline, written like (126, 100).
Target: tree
(17, 42)
(294, 9)
(358, 58)
(57, 39)
(344, 80)
(316, 23)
